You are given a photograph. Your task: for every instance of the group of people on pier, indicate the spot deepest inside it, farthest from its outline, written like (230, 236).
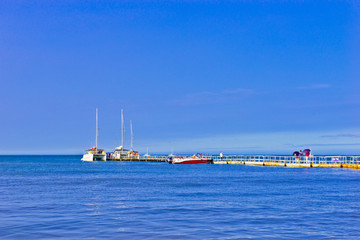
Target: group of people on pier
(299, 155)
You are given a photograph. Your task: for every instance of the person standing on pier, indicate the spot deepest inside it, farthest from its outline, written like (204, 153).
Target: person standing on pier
(307, 154)
(300, 156)
(221, 156)
(296, 154)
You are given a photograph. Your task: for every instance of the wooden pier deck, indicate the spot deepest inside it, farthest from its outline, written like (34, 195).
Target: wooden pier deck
(352, 162)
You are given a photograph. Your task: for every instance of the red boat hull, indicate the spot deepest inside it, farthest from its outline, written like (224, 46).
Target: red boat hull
(195, 161)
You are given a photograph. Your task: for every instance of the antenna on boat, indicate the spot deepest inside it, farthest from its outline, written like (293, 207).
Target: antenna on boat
(132, 136)
(122, 128)
(97, 129)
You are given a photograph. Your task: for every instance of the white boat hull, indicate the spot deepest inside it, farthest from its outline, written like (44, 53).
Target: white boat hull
(93, 157)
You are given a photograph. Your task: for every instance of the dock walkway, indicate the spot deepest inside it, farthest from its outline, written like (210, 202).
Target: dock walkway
(290, 161)
(268, 160)
(159, 158)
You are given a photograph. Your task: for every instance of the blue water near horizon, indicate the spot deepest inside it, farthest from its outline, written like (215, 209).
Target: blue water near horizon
(60, 197)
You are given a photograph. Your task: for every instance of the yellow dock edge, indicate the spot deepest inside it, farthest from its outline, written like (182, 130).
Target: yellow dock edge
(293, 165)
(353, 166)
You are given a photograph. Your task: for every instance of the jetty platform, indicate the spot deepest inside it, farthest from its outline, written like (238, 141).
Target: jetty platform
(139, 159)
(266, 160)
(290, 161)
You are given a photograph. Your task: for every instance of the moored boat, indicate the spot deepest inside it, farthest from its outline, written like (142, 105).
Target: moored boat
(195, 159)
(120, 152)
(95, 154)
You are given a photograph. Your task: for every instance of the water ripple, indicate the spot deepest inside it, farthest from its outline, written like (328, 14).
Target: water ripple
(60, 197)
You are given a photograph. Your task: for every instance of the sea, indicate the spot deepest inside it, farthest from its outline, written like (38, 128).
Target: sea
(61, 197)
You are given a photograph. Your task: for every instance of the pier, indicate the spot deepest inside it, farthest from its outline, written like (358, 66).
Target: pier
(352, 162)
(290, 161)
(158, 158)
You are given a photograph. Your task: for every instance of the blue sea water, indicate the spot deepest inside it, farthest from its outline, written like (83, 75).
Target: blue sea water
(60, 197)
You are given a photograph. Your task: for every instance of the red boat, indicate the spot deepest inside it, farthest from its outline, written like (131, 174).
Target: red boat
(195, 159)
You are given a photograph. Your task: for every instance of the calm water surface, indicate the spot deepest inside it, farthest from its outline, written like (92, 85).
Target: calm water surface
(60, 197)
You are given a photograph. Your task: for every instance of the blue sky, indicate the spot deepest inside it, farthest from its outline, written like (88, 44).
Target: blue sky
(193, 76)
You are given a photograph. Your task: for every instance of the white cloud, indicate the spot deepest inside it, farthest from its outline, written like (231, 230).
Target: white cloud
(208, 97)
(342, 135)
(315, 86)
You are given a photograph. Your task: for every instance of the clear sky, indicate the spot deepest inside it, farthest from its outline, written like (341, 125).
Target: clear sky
(193, 76)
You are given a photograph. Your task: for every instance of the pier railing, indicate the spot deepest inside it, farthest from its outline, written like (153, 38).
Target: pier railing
(313, 161)
(140, 158)
(267, 160)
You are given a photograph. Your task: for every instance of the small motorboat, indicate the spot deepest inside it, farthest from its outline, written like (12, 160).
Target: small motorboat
(195, 159)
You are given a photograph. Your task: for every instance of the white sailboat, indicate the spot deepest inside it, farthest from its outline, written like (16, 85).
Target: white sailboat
(147, 153)
(120, 152)
(132, 137)
(132, 154)
(95, 154)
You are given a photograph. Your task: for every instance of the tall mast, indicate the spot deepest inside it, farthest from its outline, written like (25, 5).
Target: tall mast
(132, 136)
(122, 128)
(97, 129)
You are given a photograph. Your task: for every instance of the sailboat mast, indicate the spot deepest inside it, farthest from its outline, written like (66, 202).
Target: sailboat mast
(132, 136)
(97, 129)
(122, 128)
